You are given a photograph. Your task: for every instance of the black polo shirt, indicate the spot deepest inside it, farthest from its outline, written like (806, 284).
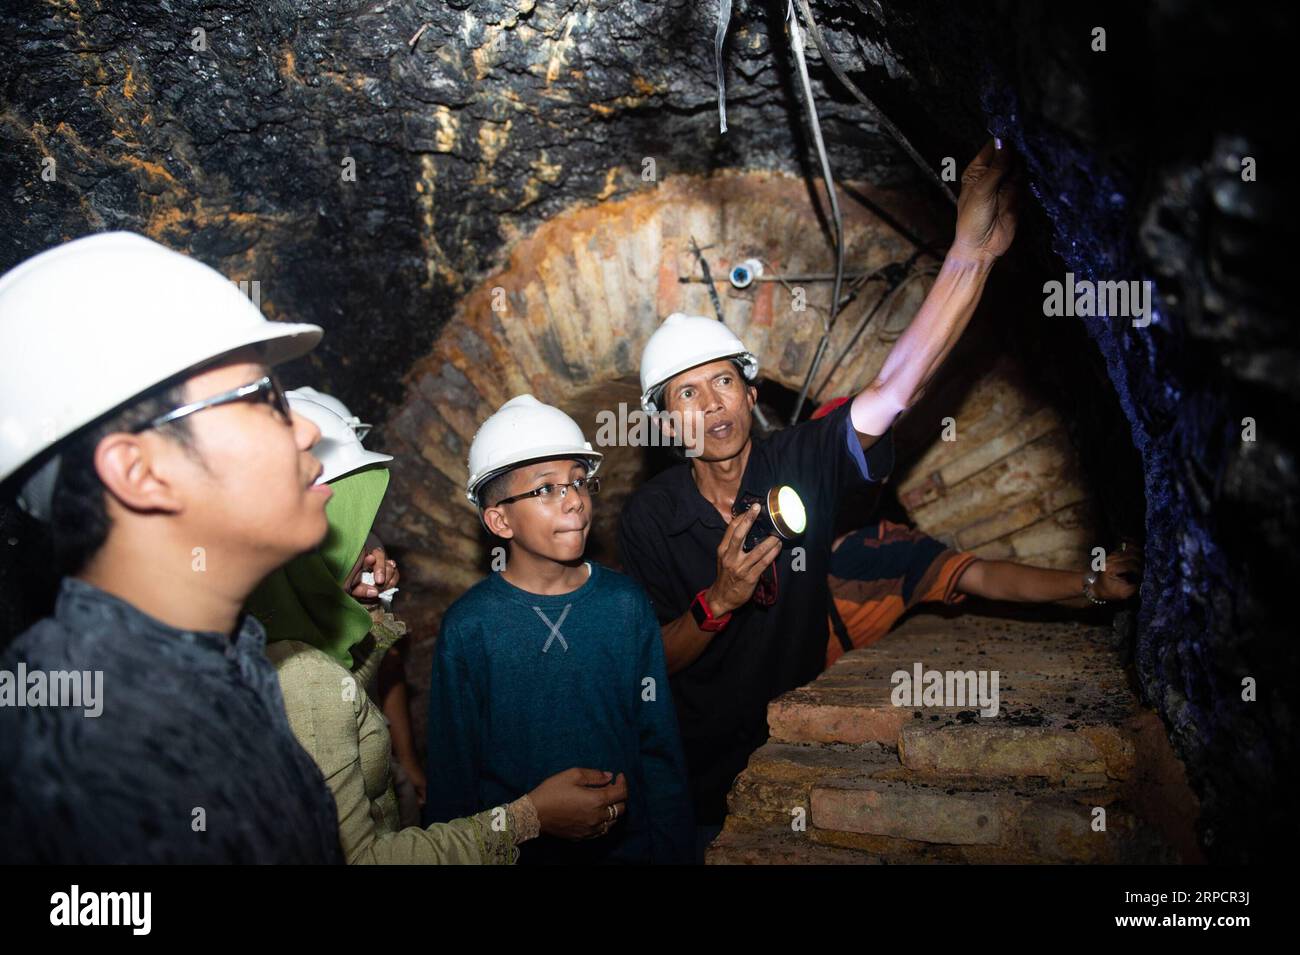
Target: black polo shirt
(668, 540)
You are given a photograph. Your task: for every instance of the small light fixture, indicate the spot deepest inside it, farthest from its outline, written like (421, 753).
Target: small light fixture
(743, 275)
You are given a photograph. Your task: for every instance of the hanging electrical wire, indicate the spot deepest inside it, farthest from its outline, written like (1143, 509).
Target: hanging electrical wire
(899, 275)
(797, 44)
(816, 34)
(860, 279)
(719, 38)
(930, 272)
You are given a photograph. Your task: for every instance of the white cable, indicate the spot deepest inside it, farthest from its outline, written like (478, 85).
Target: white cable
(797, 43)
(719, 38)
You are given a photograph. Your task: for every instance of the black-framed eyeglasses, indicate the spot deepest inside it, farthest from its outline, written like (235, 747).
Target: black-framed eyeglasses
(266, 389)
(589, 485)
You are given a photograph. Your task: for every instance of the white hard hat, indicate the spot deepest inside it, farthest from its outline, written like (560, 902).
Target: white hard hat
(682, 342)
(338, 407)
(339, 449)
(522, 430)
(93, 323)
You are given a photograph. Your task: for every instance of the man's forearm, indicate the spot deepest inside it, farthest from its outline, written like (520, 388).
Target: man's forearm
(684, 641)
(921, 349)
(1006, 580)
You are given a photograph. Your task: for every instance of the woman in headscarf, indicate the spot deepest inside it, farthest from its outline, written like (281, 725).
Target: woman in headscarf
(314, 625)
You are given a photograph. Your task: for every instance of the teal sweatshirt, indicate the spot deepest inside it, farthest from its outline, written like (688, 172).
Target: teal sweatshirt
(525, 686)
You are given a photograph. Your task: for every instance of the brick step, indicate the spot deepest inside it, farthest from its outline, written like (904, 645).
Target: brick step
(1063, 700)
(1053, 753)
(777, 845)
(946, 784)
(862, 799)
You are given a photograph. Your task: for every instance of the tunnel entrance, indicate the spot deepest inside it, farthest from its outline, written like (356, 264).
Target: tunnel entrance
(986, 462)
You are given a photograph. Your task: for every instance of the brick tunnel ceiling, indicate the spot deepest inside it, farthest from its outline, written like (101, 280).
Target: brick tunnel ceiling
(503, 114)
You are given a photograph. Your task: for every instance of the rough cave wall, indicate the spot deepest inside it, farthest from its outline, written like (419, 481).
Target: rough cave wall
(503, 113)
(1136, 159)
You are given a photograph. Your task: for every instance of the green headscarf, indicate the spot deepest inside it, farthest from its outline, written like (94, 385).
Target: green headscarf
(305, 600)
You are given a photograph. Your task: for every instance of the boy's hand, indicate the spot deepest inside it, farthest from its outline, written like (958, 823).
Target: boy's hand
(579, 803)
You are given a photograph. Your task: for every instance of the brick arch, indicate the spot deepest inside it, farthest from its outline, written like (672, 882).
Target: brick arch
(575, 302)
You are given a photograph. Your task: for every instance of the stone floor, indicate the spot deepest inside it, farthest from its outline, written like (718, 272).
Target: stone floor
(848, 777)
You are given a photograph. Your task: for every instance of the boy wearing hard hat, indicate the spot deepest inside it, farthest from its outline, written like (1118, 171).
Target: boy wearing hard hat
(140, 421)
(554, 661)
(743, 619)
(315, 629)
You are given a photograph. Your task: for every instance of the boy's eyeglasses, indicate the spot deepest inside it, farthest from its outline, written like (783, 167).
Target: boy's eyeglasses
(266, 389)
(547, 492)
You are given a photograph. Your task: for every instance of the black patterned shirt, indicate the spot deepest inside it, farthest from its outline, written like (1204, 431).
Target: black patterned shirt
(189, 759)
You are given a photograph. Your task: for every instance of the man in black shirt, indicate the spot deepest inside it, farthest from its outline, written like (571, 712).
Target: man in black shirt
(741, 627)
(676, 543)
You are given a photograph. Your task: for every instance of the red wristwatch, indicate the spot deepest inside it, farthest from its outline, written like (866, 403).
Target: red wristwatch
(704, 617)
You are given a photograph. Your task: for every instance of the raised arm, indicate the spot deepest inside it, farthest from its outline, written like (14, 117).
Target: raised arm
(986, 223)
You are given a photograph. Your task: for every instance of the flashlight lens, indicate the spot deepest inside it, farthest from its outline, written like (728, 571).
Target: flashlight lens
(791, 508)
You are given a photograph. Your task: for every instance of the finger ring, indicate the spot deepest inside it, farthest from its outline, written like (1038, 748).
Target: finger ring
(613, 813)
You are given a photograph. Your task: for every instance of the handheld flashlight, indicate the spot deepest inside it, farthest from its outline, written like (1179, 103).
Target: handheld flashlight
(782, 514)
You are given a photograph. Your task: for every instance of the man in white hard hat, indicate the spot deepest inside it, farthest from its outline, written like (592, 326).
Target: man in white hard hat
(554, 661)
(742, 624)
(139, 419)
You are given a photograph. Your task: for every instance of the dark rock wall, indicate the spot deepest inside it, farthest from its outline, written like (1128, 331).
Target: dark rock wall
(502, 113)
(1135, 156)
(499, 114)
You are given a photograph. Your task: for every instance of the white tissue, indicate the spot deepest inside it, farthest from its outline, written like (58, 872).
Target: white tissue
(385, 596)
